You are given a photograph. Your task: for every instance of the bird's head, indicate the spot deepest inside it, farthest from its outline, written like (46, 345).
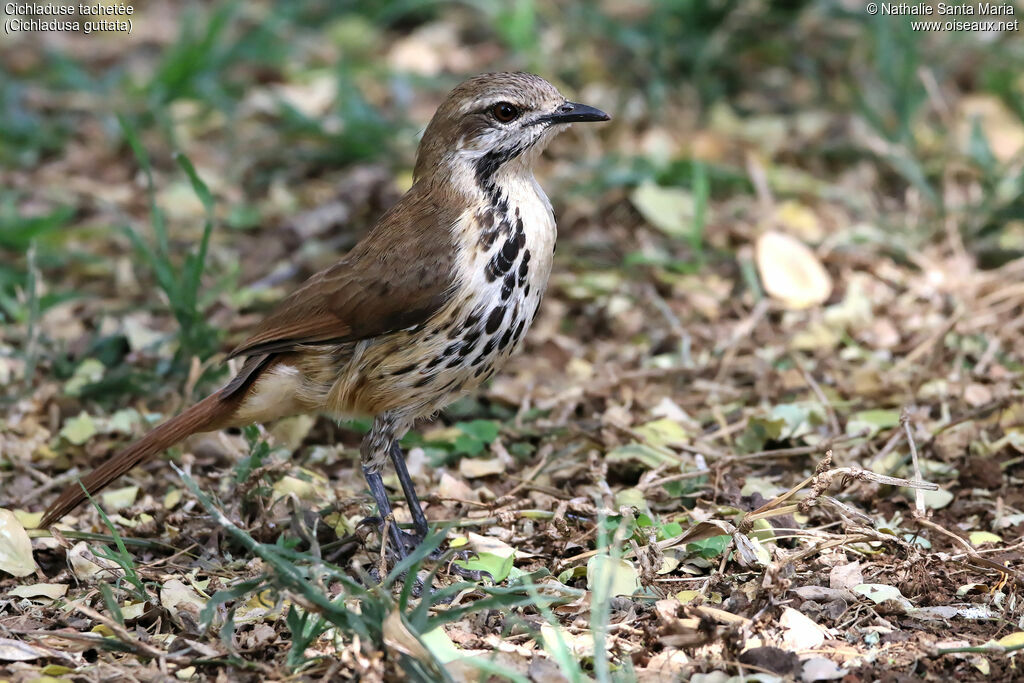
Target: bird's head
(493, 120)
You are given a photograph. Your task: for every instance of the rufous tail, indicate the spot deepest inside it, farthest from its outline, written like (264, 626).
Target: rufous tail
(213, 412)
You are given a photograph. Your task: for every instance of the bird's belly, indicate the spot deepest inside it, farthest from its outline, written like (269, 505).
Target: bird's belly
(419, 371)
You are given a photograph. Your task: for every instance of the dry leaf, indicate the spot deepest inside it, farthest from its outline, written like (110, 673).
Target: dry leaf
(17, 651)
(47, 591)
(616, 574)
(791, 272)
(474, 468)
(176, 596)
(15, 547)
(799, 632)
(88, 568)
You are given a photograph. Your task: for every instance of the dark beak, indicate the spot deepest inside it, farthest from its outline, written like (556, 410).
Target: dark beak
(573, 112)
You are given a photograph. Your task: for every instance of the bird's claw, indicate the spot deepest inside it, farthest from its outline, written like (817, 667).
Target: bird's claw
(411, 540)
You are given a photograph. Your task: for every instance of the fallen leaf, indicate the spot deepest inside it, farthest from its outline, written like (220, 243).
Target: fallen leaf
(821, 669)
(938, 499)
(175, 595)
(800, 632)
(78, 430)
(397, 635)
(1012, 639)
(846, 576)
(982, 537)
(48, 591)
(669, 209)
(493, 556)
(791, 272)
(17, 651)
(474, 468)
(311, 487)
(454, 488)
(663, 432)
(616, 574)
(88, 568)
(1001, 126)
(15, 546)
(119, 499)
(880, 592)
(798, 220)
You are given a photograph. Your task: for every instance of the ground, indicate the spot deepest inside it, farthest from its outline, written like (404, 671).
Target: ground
(769, 422)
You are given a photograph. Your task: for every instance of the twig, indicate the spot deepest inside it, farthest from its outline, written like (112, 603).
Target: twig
(919, 508)
(126, 637)
(825, 445)
(833, 420)
(929, 341)
(980, 411)
(975, 559)
(548, 449)
(741, 331)
(993, 648)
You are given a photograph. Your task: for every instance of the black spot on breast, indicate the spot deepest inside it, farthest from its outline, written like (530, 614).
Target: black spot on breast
(467, 346)
(494, 319)
(425, 381)
(510, 249)
(458, 360)
(526, 290)
(507, 286)
(524, 269)
(519, 331)
(488, 348)
(503, 261)
(433, 364)
(480, 370)
(450, 349)
(505, 338)
(475, 316)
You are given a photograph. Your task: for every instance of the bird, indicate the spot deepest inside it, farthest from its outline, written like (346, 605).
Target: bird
(425, 308)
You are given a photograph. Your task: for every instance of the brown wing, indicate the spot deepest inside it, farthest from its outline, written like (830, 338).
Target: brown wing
(398, 276)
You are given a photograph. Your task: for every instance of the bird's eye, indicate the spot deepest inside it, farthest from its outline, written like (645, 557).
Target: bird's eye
(505, 112)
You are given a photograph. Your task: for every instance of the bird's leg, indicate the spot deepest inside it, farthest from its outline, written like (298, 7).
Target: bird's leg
(374, 450)
(395, 535)
(419, 520)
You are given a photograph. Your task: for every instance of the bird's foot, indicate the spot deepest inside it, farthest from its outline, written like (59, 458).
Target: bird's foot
(408, 541)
